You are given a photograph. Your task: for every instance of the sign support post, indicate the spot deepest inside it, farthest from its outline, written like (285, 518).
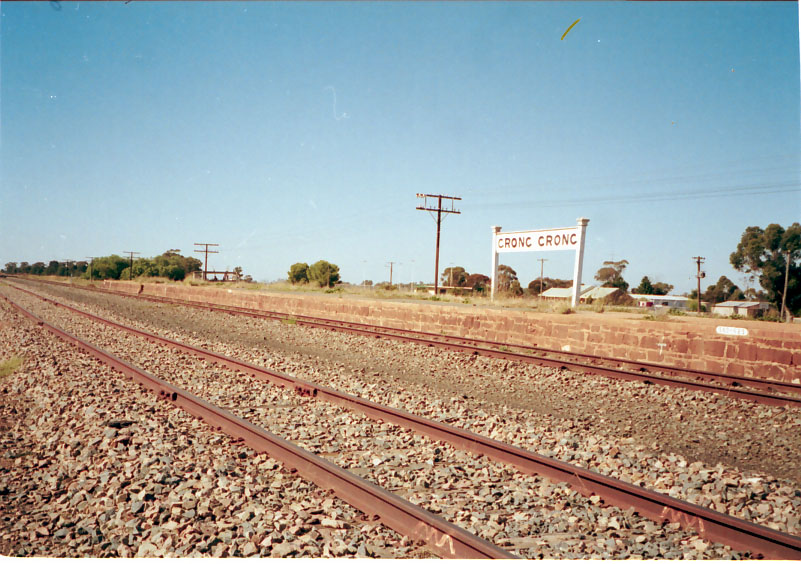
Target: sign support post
(582, 225)
(494, 271)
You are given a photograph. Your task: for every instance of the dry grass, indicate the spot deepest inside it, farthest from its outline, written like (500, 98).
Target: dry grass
(8, 367)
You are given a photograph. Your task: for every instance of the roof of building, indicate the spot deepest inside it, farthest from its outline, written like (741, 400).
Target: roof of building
(739, 304)
(565, 292)
(599, 293)
(652, 297)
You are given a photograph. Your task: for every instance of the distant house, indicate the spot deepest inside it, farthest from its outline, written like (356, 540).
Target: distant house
(588, 294)
(649, 300)
(564, 293)
(746, 309)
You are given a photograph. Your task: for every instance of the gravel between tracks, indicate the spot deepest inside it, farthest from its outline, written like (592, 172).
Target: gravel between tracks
(529, 515)
(84, 476)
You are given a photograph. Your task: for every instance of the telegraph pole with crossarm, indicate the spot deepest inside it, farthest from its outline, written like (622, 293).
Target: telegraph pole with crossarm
(130, 270)
(206, 251)
(440, 210)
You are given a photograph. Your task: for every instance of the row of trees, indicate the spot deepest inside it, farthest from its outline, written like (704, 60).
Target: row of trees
(321, 272)
(170, 265)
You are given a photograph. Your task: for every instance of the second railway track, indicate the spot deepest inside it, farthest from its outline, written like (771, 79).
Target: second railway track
(379, 466)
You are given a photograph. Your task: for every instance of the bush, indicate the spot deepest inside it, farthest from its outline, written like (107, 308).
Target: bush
(324, 273)
(692, 305)
(298, 273)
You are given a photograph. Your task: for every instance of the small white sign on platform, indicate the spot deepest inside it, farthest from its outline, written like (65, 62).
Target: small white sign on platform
(560, 239)
(739, 331)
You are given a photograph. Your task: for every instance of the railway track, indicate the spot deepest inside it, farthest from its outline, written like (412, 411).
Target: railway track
(696, 380)
(713, 525)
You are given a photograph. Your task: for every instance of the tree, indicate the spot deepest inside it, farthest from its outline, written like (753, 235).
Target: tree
(662, 289)
(547, 284)
(324, 273)
(238, 272)
(611, 274)
(299, 273)
(479, 282)
(765, 253)
(645, 287)
(652, 288)
(11, 268)
(506, 275)
(454, 276)
(724, 290)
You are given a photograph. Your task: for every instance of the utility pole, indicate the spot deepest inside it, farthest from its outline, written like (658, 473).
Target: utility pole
(390, 263)
(439, 209)
(784, 291)
(130, 270)
(91, 263)
(542, 267)
(206, 251)
(699, 275)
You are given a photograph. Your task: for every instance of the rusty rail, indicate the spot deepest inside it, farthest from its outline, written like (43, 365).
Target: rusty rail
(709, 524)
(442, 537)
(477, 346)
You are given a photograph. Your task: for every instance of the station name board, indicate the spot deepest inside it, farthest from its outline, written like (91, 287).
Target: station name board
(540, 240)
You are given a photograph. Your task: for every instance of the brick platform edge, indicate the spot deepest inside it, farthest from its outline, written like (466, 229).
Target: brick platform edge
(769, 351)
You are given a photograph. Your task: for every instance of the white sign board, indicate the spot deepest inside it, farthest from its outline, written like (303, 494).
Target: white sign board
(723, 330)
(563, 239)
(560, 239)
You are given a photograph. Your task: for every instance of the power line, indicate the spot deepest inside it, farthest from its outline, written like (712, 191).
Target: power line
(206, 251)
(440, 210)
(657, 197)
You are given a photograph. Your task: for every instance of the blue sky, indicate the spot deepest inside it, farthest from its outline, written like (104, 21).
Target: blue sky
(292, 132)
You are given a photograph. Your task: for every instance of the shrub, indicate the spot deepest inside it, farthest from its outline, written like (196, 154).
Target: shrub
(298, 273)
(324, 273)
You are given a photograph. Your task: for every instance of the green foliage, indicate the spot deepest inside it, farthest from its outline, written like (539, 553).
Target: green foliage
(454, 276)
(652, 289)
(298, 273)
(611, 274)
(662, 288)
(324, 273)
(723, 290)
(547, 284)
(674, 311)
(692, 305)
(645, 287)
(506, 275)
(479, 282)
(763, 252)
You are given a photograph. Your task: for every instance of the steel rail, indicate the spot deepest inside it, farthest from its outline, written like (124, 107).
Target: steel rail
(610, 372)
(443, 538)
(709, 524)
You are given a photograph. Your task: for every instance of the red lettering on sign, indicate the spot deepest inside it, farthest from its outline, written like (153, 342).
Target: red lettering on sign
(548, 239)
(573, 239)
(539, 241)
(528, 241)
